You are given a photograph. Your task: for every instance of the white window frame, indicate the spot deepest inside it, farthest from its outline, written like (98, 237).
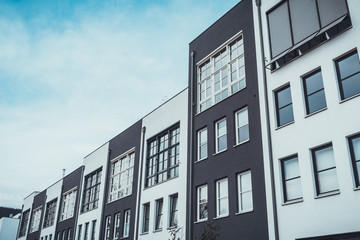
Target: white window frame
(202, 143)
(217, 136)
(201, 201)
(107, 227)
(68, 204)
(117, 219)
(35, 219)
(238, 126)
(126, 230)
(219, 197)
(241, 192)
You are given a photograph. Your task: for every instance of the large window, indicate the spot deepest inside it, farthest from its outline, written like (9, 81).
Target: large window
(107, 228)
(50, 213)
(116, 226)
(158, 214)
(24, 223)
(202, 144)
(68, 204)
(222, 198)
(284, 108)
(314, 92)
(354, 143)
(162, 162)
(91, 191)
(222, 74)
(245, 201)
(242, 126)
(348, 73)
(325, 170)
(221, 136)
(126, 230)
(35, 220)
(291, 180)
(121, 179)
(202, 203)
(146, 218)
(173, 218)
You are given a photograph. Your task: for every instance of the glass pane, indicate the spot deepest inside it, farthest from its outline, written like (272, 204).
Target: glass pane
(328, 181)
(286, 115)
(246, 202)
(243, 133)
(313, 83)
(283, 97)
(293, 189)
(330, 10)
(203, 136)
(291, 168)
(356, 147)
(316, 101)
(351, 86)
(218, 97)
(221, 128)
(222, 189)
(203, 151)
(222, 143)
(279, 27)
(349, 65)
(324, 158)
(223, 206)
(245, 180)
(242, 117)
(358, 170)
(235, 88)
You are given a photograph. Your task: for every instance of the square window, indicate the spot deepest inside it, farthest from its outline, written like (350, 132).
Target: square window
(291, 181)
(202, 144)
(242, 126)
(202, 203)
(222, 198)
(245, 200)
(314, 92)
(354, 143)
(221, 135)
(284, 108)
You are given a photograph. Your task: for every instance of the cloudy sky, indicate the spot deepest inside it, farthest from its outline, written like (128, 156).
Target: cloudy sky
(74, 74)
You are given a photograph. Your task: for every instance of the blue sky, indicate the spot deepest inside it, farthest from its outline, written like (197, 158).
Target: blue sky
(74, 74)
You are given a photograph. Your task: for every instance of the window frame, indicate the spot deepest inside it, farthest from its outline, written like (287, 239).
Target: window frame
(159, 212)
(217, 136)
(200, 202)
(91, 193)
(201, 144)
(219, 198)
(241, 192)
(237, 125)
(107, 232)
(68, 204)
(126, 228)
(117, 224)
(50, 212)
(278, 108)
(354, 161)
(35, 221)
(284, 180)
(146, 218)
(25, 218)
(318, 91)
(173, 211)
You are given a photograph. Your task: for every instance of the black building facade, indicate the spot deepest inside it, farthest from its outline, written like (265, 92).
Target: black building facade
(227, 195)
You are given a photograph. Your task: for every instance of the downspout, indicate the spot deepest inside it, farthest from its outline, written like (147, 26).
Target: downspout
(273, 194)
(192, 56)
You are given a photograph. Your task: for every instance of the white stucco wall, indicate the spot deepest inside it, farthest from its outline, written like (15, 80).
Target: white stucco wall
(28, 201)
(8, 228)
(315, 216)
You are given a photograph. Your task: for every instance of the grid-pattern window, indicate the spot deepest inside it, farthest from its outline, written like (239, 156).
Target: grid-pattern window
(202, 203)
(202, 144)
(162, 162)
(354, 143)
(348, 72)
(93, 230)
(126, 223)
(107, 228)
(245, 200)
(222, 198)
(35, 220)
(325, 170)
(221, 135)
(284, 107)
(68, 204)
(91, 191)
(50, 213)
(314, 92)
(173, 218)
(24, 223)
(222, 75)
(121, 179)
(146, 218)
(242, 125)
(159, 214)
(291, 180)
(116, 226)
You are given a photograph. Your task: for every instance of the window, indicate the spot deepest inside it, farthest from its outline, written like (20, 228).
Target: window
(121, 179)
(325, 170)
(158, 214)
(69, 234)
(162, 162)
(58, 235)
(221, 135)
(116, 226)
(146, 218)
(291, 182)
(314, 92)
(202, 144)
(91, 191)
(79, 232)
(242, 126)
(63, 235)
(222, 198)
(107, 228)
(35, 220)
(50, 213)
(284, 108)
(24, 223)
(68, 204)
(93, 230)
(245, 200)
(173, 221)
(202, 203)
(354, 143)
(221, 75)
(86, 231)
(348, 73)
(126, 223)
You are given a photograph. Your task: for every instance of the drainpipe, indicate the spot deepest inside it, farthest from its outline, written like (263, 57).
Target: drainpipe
(269, 142)
(192, 56)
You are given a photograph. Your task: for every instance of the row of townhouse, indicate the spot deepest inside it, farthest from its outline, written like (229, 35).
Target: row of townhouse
(263, 144)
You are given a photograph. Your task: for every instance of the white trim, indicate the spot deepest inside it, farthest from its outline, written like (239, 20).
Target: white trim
(240, 192)
(217, 136)
(218, 197)
(238, 127)
(201, 144)
(198, 202)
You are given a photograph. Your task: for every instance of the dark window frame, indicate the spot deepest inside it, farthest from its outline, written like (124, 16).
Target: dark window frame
(277, 108)
(284, 180)
(173, 213)
(354, 161)
(24, 223)
(318, 91)
(50, 212)
(88, 203)
(146, 218)
(159, 214)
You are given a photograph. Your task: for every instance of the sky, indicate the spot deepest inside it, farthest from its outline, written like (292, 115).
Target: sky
(75, 73)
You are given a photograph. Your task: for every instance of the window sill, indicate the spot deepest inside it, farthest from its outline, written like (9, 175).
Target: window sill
(200, 221)
(349, 98)
(200, 160)
(285, 125)
(357, 188)
(144, 233)
(244, 212)
(238, 144)
(157, 230)
(217, 153)
(124, 237)
(316, 112)
(323, 195)
(219, 217)
(290, 202)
